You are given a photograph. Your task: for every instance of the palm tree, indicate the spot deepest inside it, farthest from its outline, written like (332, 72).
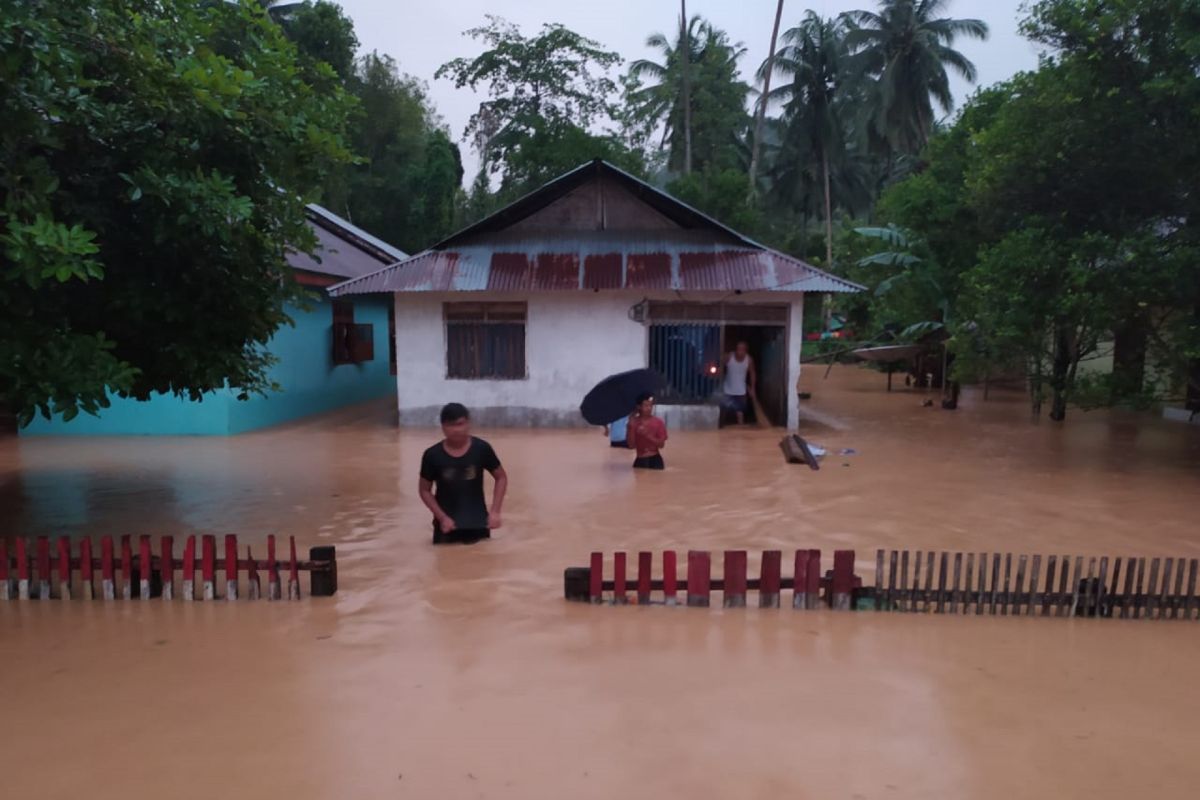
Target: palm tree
(906, 49)
(702, 118)
(766, 72)
(814, 138)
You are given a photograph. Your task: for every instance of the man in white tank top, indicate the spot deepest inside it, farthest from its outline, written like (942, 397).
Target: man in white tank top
(739, 381)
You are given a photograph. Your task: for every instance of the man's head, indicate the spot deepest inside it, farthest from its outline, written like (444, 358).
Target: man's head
(741, 349)
(456, 423)
(645, 404)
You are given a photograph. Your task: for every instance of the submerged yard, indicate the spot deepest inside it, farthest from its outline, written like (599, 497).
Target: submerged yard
(460, 672)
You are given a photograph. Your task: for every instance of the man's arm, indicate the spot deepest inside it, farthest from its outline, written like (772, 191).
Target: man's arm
(494, 516)
(425, 490)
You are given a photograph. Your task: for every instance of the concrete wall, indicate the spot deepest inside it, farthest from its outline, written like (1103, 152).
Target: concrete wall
(310, 381)
(572, 341)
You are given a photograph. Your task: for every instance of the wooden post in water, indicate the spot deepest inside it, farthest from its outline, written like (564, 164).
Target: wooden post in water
(644, 577)
(108, 585)
(64, 568)
(734, 575)
(619, 596)
(670, 578)
(231, 567)
(699, 577)
(43, 567)
(166, 567)
(770, 579)
(188, 585)
(274, 587)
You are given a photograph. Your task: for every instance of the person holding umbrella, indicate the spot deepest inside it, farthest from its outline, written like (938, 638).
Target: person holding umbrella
(647, 434)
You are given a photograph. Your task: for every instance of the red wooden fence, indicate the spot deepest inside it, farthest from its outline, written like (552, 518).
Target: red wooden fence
(995, 583)
(145, 575)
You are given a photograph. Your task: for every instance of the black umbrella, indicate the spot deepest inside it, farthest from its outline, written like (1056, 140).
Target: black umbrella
(614, 397)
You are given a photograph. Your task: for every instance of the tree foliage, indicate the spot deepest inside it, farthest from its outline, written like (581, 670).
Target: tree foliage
(156, 157)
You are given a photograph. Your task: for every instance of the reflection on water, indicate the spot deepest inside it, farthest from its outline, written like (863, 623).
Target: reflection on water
(460, 672)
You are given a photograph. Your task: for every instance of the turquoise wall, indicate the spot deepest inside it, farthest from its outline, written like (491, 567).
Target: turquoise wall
(311, 384)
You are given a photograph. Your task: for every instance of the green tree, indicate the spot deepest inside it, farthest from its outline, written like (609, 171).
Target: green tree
(717, 97)
(321, 32)
(905, 49)
(155, 159)
(554, 78)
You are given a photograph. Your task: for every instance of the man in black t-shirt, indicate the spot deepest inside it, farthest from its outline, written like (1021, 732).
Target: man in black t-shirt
(451, 484)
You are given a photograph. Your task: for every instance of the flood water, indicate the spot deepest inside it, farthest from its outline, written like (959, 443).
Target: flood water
(461, 672)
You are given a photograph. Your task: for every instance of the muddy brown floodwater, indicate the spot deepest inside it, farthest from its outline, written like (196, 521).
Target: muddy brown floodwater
(461, 672)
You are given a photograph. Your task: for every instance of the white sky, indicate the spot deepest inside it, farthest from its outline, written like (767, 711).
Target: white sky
(423, 34)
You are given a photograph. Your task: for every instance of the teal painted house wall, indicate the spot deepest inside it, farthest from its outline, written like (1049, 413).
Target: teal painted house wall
(311, 384)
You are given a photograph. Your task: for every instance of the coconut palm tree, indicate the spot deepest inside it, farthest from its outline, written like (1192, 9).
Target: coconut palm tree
(906, 49)
(765, 74)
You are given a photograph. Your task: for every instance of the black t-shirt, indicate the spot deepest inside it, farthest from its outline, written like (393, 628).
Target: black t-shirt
(458, 482)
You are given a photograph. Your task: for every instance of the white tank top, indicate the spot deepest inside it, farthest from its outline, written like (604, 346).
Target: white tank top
(735, 375)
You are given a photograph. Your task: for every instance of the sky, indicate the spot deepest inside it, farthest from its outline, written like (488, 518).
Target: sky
(423, 34)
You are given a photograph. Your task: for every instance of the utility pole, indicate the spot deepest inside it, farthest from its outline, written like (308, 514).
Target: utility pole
(685, 42)
(762, 101)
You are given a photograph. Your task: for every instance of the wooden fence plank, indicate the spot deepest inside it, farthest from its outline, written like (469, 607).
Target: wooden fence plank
(620, 597)
(905, 598)
(699, 577)
(5, 581)
(1152, 589)
(1006, 592)
(842, 585)
(992, 593)
(670, 578)
(166, 566)
(253, 585)
(879, 580)
(1191, 587)
(734, 573)
(43, 567)
(126, 567)
(1064, 579)
(929, 594)
(293, 571)
(1115, 598)
(954, 593)
(22, 569)
(981, 581)
(596, 579)
(967, 594)
(64, 568)
(108, 584)
(892, 600)
(771, 579)
(941, 582)
(916, 581)
(85, 569)
(812, 592)
(145, 560)
(1102, 589)
(1035, 597)
(208, 566)
(1089, 601)
(1048, 595)
(1177, 607)
(800, 580)
(645, 569)
(1164, 599)
(1138, 597)
(275, 586)
(188, 578)
(231, 567)
(1018, 597)
(1078, 576)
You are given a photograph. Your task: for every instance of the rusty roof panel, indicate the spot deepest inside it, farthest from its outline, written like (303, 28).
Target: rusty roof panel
(556, 271)
(510, 272)
(602, 271)
(648, 271)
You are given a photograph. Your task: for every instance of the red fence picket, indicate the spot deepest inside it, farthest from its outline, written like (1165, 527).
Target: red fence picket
(735, 579)
(699, 576)
(85, 569)
(770, 580)
(189, 568)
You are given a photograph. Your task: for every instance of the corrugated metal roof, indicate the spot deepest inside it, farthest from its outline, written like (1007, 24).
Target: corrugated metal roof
(618, 263)
(344, 250)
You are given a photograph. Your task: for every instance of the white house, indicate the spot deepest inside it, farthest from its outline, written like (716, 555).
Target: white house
(596, 272)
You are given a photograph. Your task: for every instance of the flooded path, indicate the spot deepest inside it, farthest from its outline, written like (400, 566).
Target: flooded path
(461, 673)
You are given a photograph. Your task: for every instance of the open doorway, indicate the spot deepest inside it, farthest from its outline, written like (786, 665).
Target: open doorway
(767, 345)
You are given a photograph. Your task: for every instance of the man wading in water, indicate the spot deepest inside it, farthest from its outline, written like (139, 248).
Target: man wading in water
(647, 435)
(739, 383)
(455, 466)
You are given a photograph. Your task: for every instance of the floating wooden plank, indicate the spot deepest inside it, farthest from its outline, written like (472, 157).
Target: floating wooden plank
(1035, 597)
(1048, 595)
(620, 597)
(879, 580)
(231, 567)
(188, 579)
(144, 566)
(954, 593)
(645, 565)
(293, 571)
(771, 579)
(108, 584)
(127, 583)
(596, 579)
(670, 578)
(892, 600)
(5, 581)
(734, 574)
(275, 587)
(208, 566)
(1019, 597)
(842, 585)
(64, 568)
(699, 578)
(43, 567)
(166, 566)
(809, 458)
(941, 587)
(253, 585)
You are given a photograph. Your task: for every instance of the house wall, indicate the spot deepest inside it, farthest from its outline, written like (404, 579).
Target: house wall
(310, 383)
(572, 341)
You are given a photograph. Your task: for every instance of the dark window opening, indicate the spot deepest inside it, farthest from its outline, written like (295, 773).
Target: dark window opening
(392, 337)
(352, 343)
(485, 341)
(688, 355)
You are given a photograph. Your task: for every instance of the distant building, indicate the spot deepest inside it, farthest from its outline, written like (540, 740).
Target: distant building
(337, 353)
(596, 272)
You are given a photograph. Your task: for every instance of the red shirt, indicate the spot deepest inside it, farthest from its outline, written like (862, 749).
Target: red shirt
(647, 435)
